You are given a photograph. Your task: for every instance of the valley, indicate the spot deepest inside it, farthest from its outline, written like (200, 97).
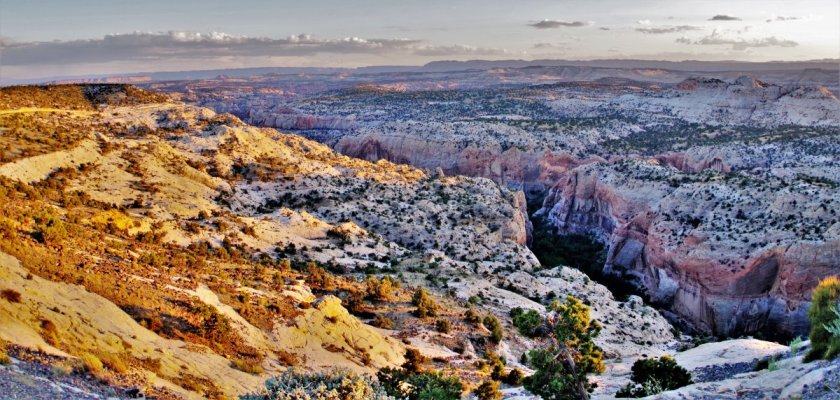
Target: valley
(198, 237)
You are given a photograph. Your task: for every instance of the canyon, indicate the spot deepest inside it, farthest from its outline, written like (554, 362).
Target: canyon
(693, 185)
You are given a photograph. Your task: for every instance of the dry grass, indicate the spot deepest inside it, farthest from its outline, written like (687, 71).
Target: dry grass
(92, 363)
(114, 362)
(251, 367)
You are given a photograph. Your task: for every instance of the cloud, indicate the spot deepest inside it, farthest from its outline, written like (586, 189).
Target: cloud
(787, 18)
(668, 29)
(552, 24)
(442, 51)
(643, 22)
(739, 44)
(604, 28)
(149, 47)
(724, 17)
(783, 18)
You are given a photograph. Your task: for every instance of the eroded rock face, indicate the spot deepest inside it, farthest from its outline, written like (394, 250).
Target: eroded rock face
(509, 162)
(714, 248)
(290, 120)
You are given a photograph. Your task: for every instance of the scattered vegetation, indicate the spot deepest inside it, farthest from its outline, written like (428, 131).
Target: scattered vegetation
(414, 382)
(651, 376)
(331, 385)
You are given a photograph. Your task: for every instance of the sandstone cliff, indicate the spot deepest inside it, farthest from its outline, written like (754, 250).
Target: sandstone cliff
(718, 250)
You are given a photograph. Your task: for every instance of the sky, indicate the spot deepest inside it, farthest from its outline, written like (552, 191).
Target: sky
(52, 38)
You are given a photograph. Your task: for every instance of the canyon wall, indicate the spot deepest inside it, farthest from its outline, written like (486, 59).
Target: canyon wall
(723, 261)
(533, 171)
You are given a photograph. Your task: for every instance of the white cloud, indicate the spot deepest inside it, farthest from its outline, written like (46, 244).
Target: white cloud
(143, 46)
(553, 23)
(643, 22)
(668, 29)
(737, 43)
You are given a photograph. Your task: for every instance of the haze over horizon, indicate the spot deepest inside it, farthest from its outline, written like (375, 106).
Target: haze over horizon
(61, 38)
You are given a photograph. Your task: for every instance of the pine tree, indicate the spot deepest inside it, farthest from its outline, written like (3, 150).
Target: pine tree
(563, 365)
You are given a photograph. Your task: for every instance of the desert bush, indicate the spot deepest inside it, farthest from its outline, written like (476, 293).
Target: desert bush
(443, 325)
(492, 323)
(514, 377)
(319, 277)
(496, 364)
(383, 322)
(488, 390)
(50, 332)
(414, 361)
(426, 307)
(824, 300)
(471, 316)
(331, 385)
(527, 322)
(381, 289)
(10, 295)
(651, 376)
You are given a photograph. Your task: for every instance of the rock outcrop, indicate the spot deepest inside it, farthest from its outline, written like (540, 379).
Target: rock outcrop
(719, 252)
(290, 120)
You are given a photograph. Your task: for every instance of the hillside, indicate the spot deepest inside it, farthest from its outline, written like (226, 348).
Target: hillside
(195, 255)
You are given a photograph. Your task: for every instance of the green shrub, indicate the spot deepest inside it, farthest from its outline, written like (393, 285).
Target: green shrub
(443, 325)
(492, 323)
(412, 382)
(471, 316)
(795, 345)
(330, 385)
(826, 295)
(514, 377)
(651, 376)
(527, 322)
(488, 390)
